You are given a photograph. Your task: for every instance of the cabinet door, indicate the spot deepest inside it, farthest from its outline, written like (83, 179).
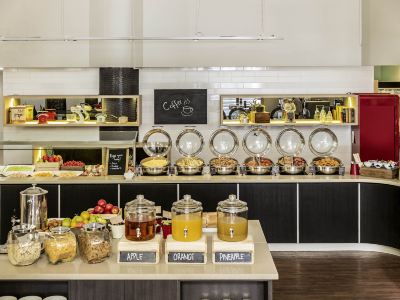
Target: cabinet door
(9, 201)
(75, 198)
(275, 206)
(380, 211)
(161, 194)
(208, 193)
(328, 213)
(151, 290)
(96, 290)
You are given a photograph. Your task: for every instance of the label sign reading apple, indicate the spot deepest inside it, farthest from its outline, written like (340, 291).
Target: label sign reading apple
(180, 106)
(137, 257)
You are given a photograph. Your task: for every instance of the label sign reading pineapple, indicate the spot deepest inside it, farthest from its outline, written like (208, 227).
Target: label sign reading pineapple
(137, 257)
(233, 257)
(186, 257)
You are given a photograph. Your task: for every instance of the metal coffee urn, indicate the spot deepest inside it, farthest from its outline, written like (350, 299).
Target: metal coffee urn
(33, 203)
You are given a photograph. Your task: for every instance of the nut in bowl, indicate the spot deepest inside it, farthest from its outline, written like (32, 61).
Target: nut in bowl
(292, 165)
(327, 165)
(258, 165)
(224, 165)
(190, 165)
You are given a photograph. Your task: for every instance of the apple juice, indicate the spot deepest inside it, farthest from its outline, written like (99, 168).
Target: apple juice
(139, 231)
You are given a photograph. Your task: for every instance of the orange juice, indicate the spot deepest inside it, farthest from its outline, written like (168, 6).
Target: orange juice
(231, 228)
(186, 227)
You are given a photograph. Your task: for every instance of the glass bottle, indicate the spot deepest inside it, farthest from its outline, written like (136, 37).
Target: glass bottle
(23, 245)
(94, 243)
(232, 223)
(140, 219)
(322, 116)
(329, 117)
(187, 220)
(316, 114)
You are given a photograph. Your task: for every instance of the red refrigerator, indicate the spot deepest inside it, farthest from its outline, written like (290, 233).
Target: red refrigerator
(377, 135)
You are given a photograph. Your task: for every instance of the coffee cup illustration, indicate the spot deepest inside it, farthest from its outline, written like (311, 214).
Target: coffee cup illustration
(187, 111)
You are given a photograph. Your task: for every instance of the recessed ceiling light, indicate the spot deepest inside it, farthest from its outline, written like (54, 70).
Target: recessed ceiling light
(1, 68)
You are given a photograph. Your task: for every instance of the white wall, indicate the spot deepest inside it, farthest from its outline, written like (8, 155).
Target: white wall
(217, 81)
(247, 81)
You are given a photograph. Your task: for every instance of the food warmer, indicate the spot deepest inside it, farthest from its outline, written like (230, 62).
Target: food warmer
(323, 142)
(257, 143)
(290, 144)
(223, 144)
(190, 143)
(156, 144)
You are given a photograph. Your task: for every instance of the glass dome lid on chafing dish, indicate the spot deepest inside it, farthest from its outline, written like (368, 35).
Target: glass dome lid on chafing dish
(323, 143)
(290, 144)
(190, 143)
(223, 144)
(257, 143)
(156, 144)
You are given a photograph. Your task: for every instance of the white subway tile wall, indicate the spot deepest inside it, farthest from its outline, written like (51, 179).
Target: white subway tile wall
(286, 80)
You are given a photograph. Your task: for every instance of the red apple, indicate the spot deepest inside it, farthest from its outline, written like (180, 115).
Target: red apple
(102, 203)
(109, 207)
(79, 225)
(98, 209)
(115, 210)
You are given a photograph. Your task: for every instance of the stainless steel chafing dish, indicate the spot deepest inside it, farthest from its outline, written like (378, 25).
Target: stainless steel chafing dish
(323, 142)
(156, 144)
(190, 143)
(290, 144)
(223, 144)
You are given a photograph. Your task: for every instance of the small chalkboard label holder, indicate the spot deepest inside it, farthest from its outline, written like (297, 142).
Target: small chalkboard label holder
(122, 166)
(149, 257)
(233, 257)
(186, 257)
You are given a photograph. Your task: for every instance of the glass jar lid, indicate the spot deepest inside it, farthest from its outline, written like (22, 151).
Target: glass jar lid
(232, 205)
(140, 204)
(157, 142)
(190, 142)
(290, 142)
(60, 230)
(23, 228)
(323, 141)
(90, 227)
(223, 142)
(187, 205)
(34, 191)
(257, 142)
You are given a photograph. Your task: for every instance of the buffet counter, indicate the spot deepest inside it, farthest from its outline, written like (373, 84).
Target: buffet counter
(263, 271)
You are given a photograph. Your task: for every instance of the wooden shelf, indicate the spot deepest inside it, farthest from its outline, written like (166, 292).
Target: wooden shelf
(277, 123)
(71, 124)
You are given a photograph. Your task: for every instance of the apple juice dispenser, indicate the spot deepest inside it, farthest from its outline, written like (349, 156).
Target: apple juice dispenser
(232, 223)
(140, 219)
(186, 220)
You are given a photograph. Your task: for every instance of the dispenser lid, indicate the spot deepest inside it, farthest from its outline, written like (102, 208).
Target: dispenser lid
(34, 191)
(157, 142)
(232, 205)
(223, 142)
(290, 142)
(187, 205)
(140, 203)
(94, 227)
(257, 142)
(323, 141)
(60, 230)
(190, 142)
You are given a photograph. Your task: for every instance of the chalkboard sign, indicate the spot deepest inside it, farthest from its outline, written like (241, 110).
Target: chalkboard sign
(233, 257)
(137, 257)
(186, 257)
(180, 106)
(117, 161)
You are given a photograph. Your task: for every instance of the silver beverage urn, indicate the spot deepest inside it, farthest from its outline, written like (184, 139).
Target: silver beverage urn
(33, 203)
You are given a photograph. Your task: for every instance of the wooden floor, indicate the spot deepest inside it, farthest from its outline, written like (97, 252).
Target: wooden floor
(336, 275)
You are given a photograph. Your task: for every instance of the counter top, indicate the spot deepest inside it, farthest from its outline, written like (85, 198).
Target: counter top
(263, 268)
(200, 179)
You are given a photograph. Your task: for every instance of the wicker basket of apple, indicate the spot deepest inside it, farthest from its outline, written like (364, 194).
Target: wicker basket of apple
(49, 162)
(105, 210)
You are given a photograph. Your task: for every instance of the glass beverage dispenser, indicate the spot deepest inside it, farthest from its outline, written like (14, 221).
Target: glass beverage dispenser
(232, 223)
(140, 219)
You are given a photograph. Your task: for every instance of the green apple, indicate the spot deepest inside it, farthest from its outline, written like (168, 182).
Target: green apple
(92, 219)
(78, 219)
(66, 222)
(102, 221)
(85, 215)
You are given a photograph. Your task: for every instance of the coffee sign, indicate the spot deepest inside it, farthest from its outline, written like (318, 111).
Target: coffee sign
(180, 106)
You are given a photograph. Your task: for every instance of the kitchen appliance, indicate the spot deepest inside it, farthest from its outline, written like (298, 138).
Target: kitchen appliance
(140, 219)
(232, 223)
(33, 203)
(187, 220)
(377, 133)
